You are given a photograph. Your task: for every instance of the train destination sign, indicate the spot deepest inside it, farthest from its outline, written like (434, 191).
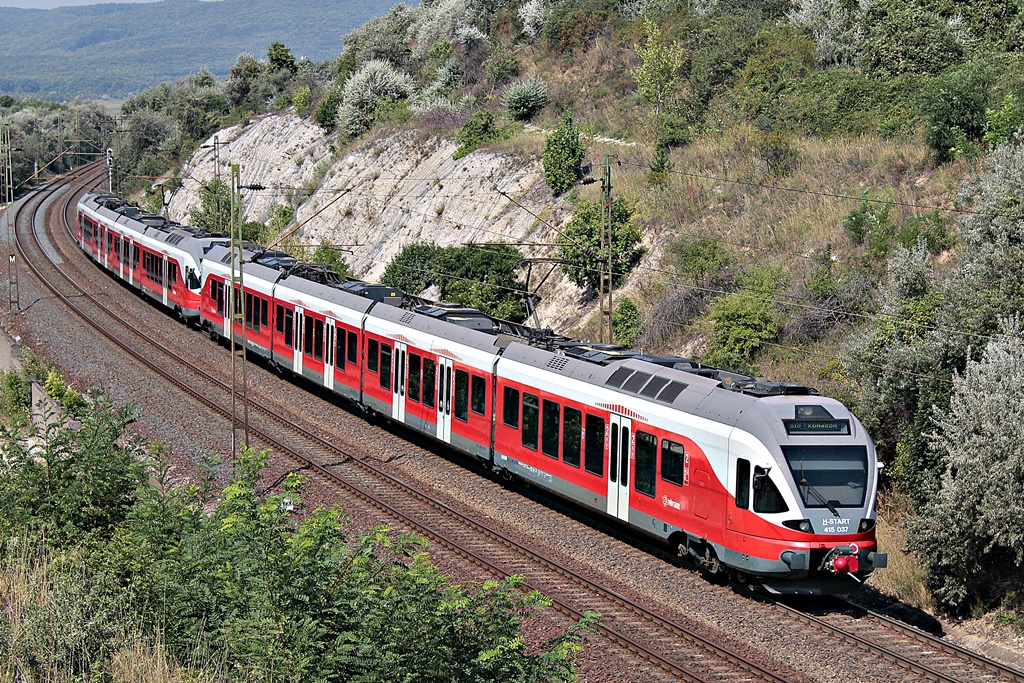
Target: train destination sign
(804, 427)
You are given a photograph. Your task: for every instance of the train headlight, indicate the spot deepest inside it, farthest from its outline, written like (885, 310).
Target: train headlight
(866, 525)
(803, 525)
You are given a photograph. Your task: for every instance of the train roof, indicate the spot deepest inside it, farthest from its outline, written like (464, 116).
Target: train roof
(195, 241)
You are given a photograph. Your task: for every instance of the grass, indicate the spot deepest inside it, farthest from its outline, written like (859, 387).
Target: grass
(905, 576)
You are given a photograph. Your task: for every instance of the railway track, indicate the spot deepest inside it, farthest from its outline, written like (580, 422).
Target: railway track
(669, 649)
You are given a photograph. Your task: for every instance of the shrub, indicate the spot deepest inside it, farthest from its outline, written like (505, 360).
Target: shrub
(834, 25)
(1003, 123)
(533, 14)
(954, 108)
(301, 100)
(501, 66)
(563, 155)
(524, 99)
(744, 321)
(326, 112)
(627, 323)
(478, 131)
(932, 227)
(904, 37)
(16, 394)
(374, 82)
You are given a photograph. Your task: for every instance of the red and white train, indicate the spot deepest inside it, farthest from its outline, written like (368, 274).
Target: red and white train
(767, 481)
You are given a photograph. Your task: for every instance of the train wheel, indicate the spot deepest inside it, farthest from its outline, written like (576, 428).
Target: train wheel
(710, 560)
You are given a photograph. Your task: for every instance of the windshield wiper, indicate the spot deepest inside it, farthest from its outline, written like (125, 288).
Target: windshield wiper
(808, 488)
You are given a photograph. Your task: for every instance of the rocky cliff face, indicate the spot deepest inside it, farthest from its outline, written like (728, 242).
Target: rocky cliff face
(388, 192)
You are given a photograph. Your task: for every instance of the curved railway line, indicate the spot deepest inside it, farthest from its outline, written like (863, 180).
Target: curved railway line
(659, 643)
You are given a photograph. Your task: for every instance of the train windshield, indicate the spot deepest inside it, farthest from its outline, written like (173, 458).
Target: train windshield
(826, 476)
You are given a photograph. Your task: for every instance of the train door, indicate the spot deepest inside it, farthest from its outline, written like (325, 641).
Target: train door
(297, 340)
(103, 246)
(329, 359)
(129, 253)
(398, 376)
(163, 278)
(444, 399)
(619, 448)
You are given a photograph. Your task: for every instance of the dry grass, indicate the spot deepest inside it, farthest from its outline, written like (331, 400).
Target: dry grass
(905, 576)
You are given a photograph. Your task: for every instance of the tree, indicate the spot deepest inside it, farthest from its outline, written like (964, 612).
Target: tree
(280, 58)
(627, 323)
(329, 256)
(971, 534)
(214, 212)
(657, 77)
(239, 81)
(563, 155)
(580, 244)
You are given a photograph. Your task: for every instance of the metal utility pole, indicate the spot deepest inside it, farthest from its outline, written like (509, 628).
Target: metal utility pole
(13, 293)
(607, 244)
(110, 170)
(236, 303)
(216, 184)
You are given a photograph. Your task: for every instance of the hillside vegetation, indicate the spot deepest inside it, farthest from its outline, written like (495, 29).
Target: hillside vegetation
(824, 192)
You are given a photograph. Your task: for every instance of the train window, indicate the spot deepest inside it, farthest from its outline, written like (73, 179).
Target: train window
(673, 457)
(110, 242)
(479, 395)
(766, 495)
(172, 273)
(192, 280)
(429, 381)
(742, 483)
(353, 347)
(307, 335)
(329, 346)
(593, 456)
(371, 355)
(572, 436)
(248, 310)
(462, 395)
(414, 377)
(510, 407)
(550, 428)
(279, 318)
(318, 339)
(264, 312)
(646, 463)
(385, 366)
(531, 411)
(339, 348)
(289, 326)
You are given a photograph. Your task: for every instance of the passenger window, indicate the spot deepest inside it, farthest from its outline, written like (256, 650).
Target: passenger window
(353, 347)
(339, 348)
(318, 339)
(414, 377)
(307, 335)
(479, 395)
(646, 463)
(385, 366)
(572, 436)
(429, 382)
(531, 413)
(264, 312)
(289, 323)
(766, 495)
(462, 395)
(329, 346)
(742, 484)
(672, 456)
(550, 428)
(372, 349)
(248, 310)
(593, 458)
(510, 407)
(279, 318)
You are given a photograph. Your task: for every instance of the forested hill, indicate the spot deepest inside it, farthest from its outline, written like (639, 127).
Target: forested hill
(117, 49)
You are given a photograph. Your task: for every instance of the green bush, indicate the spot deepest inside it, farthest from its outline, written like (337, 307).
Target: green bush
(627, 323)
(301, 100)
(580, 244)
(743, 322)
(904, 37)
(1001, 124)
(932, 227)
(523, 100)
(563, 155)
(16, 394)
(326, 112)
(478, 131)
(954, 109)
(501, 66)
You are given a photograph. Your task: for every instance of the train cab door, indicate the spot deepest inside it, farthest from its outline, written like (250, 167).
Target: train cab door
(444, 399)
(329, 359)
(620, 446)
(163, 278)
(398, 377)
(297, 340)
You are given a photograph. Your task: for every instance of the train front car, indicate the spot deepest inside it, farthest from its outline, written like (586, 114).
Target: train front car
(804, 475)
